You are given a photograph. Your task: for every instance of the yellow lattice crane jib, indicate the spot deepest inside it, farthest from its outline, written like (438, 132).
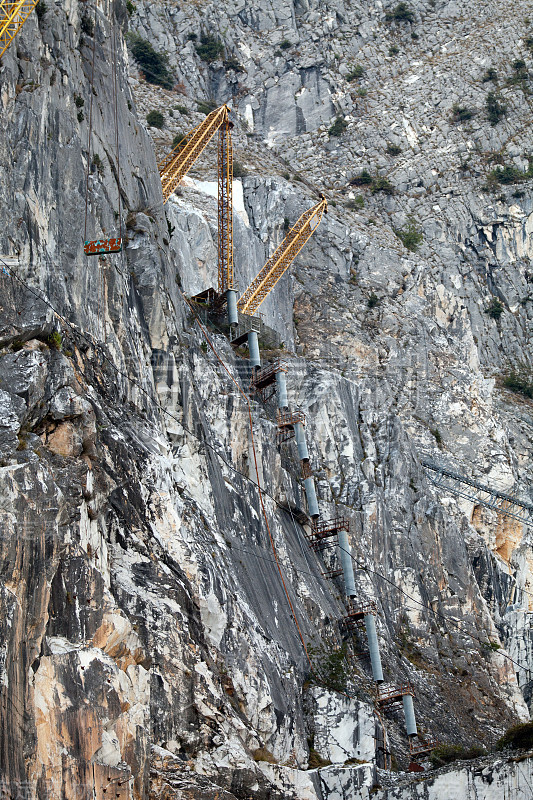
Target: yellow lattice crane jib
(12, 18)
(280, 261)
(179, 161)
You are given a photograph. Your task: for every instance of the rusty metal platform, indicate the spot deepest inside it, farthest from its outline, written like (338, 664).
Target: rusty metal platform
(209, 297)
(329, 527)
(267, 376)
(423, 749)
(286, 420)
(355, 618)
(322, 530)
(330, 574)
(394, 696)
(284, 435)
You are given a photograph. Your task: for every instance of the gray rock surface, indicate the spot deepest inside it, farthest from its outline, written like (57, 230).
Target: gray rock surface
(147, 640)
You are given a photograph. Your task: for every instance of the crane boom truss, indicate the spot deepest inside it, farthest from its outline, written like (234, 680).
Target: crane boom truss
(282, 258)
(177, 163)
(12, 18)
(225, 208)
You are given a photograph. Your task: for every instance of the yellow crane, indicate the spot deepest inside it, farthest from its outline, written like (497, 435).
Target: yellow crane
(177, 163)
(280, 261)
(12, 18)
(248, 326)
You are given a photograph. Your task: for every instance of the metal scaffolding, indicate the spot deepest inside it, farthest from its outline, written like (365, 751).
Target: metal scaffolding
(422, 750)
(355, 618)
(461, 486)
(322, 530)
(225, 208)
(394, 695)
(286, 420)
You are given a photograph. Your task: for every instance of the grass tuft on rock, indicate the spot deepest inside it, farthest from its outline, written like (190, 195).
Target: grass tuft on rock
(262, 754)
(447, 753)
(410, 236)
(316, 761)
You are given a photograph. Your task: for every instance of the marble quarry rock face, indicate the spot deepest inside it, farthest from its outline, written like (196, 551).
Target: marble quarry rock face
(165, 629)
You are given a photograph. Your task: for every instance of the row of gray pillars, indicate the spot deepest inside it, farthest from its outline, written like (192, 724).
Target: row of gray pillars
(312, 504)
(233, 319)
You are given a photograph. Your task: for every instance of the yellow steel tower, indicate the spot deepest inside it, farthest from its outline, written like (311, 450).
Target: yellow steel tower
(225, 208)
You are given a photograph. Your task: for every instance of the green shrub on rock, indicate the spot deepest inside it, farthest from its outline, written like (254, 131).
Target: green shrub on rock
(329, 667)
(518, 736)
(495, 108)
(393, 149)
(520, 381)
(495, 308)
(155, 119)
(338, 127)
(363, 179)
(178, 139)
(210, 48)
(490, 75)
(205, 106)
(461, 113)
(357, 71)
(400, 13)
(382, 184)
(447, 753)
(410, 235)
(153, 64)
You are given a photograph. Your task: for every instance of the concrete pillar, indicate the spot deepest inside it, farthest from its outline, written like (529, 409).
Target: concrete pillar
(233, 314)
(281, 383)
(253, 347)
(346, 563)
(409, 713)
(373, 646)
(310, 493)
(299, 435)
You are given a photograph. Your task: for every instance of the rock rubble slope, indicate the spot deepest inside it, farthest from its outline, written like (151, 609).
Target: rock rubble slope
(148, 644)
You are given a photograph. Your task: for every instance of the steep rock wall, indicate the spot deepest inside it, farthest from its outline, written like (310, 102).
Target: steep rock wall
(148, 643)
